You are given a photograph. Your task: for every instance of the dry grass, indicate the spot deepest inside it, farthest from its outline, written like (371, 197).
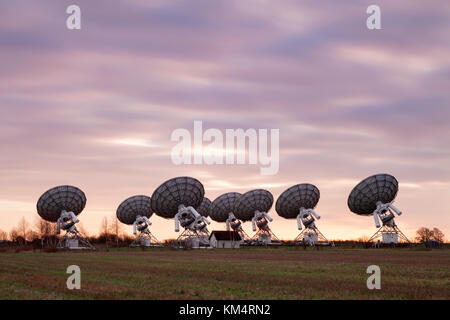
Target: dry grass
(281, 273)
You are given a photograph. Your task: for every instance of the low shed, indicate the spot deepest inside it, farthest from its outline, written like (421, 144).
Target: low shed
(225, 239)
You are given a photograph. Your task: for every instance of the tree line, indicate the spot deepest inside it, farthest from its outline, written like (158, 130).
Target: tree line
(424, 235)
(112, 231)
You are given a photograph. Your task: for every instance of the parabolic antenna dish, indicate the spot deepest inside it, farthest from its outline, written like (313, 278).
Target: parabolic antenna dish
(175, 192)
(54, 201)
(222, 206)
(364, 197)
(301, 195)
(204, 207)
(251, 201)
(132, 207)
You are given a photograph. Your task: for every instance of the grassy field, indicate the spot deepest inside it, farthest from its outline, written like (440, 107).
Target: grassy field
(250, 273)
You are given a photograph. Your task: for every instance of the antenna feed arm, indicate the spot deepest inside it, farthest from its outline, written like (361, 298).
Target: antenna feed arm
(312, 212)
(177, 224)
(58, 226)
(397, 211)
(196, 214)
(74, 217)
(299, 221)
(253, 224)
(375, 218)
(147, 220)
(134, 228)
(268, 217)
(264, 214)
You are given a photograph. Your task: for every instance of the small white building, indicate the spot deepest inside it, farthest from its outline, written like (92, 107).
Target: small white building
(225, 239)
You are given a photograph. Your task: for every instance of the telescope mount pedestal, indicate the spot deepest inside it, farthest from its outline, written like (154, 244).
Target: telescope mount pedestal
(146, 239)
(74, 240)
(264, 236)
(387, 231)
(311, 233)
(193, 239)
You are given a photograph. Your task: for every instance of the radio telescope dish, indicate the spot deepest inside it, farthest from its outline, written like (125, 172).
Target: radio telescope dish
(177, 198)
(221, 210)
(62, 205)
(252, 201)
(298, 202)
(132, 207)
(171, 194)
(364, 197)
(136, 211)
(204, 207)
(54, 201)
(254, 205)
(222, 206)
(299, 196)
(374, 196)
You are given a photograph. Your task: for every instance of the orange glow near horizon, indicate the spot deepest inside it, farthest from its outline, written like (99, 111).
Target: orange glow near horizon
(337, 222)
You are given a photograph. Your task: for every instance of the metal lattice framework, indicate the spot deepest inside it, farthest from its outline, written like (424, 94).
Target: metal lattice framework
(364, 197)
(54, 201)
(301, 195)
(175, 192)
(132, 207)
(222, 206)
(263, 237)
(251, 201)
(204, 207)
(311, 236)
(389, 230)
(74, 235)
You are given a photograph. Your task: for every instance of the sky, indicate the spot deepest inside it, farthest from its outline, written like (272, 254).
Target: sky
(96, 107)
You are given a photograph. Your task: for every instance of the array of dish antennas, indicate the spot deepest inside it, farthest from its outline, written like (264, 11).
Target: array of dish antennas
(254, 205)
(221, 210)
(177, 198)
(137, 211)
(183, 199)
(374, 196)
(298, 202)
(62, 205)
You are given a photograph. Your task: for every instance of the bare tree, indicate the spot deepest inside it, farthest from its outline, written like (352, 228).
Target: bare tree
(3, 235)
(44, 228)
(23, 228)
(32, 235)
(14, 235)
(115, 229)
(82, 230)
(425, 235)
(104, 230)
(363, 239)
(438, 235)
(45, 231)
